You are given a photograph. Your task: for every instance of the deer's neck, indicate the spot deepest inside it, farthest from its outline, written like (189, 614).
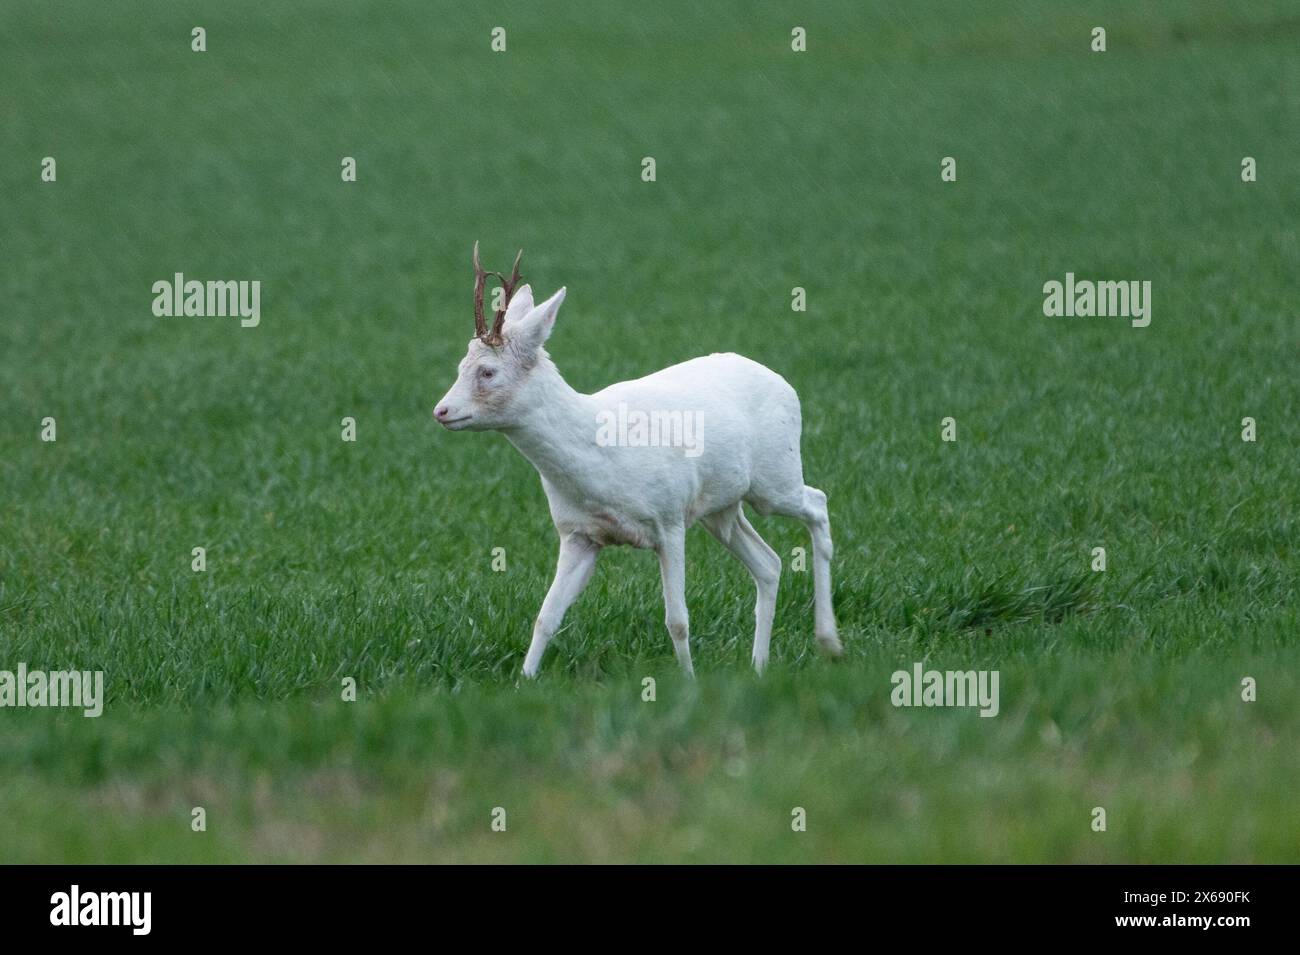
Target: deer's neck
(557, 428)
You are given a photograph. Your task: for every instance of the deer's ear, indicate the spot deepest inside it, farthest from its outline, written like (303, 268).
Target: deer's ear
(533, 329)
(521, 303)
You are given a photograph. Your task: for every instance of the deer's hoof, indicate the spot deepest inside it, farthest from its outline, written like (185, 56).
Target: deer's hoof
(830, 644)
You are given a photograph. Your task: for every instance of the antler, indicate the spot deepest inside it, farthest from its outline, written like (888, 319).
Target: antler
(508, 286)
(480, 279)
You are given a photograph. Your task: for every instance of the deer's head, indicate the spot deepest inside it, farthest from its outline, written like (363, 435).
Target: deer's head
(494, 383)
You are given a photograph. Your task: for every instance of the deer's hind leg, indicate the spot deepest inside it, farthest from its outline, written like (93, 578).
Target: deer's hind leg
(817, 518)
(734, 531)
(808, 504)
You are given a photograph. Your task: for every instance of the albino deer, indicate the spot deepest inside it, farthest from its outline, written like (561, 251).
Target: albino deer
(604, 493)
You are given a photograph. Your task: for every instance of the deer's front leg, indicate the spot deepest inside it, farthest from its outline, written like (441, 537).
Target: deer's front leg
(672, 567)
(572, 572)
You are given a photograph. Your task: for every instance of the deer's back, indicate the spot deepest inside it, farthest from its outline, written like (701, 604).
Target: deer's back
(728, 385)
(748, 423)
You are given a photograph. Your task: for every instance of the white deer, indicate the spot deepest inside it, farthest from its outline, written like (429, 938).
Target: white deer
(603, 493)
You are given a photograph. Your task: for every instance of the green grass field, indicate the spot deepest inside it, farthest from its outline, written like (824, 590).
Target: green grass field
(775, 169)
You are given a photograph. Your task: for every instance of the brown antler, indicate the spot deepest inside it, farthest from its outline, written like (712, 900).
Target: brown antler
(480, 279)
(508, 285)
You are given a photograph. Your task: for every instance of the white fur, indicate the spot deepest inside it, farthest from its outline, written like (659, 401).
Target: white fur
(648, 496)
